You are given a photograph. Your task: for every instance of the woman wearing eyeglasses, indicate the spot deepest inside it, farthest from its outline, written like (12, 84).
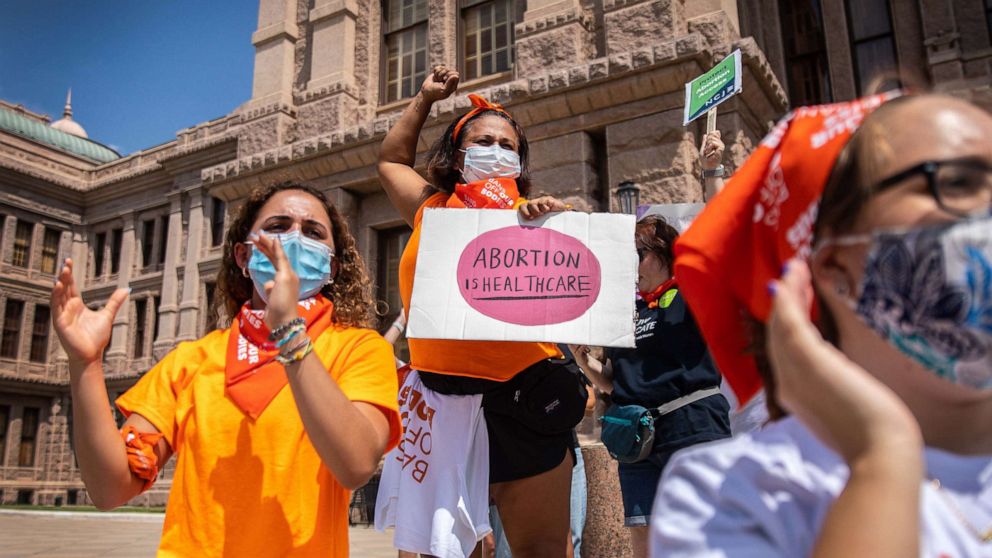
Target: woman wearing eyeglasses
(669, 374)
(887, 449)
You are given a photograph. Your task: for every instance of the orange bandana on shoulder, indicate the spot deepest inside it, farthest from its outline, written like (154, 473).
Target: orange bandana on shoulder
(652, 297)
(763, 217)
(492, 193)
(252, 377)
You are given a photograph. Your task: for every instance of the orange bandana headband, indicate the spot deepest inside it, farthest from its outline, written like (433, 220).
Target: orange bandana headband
(762, 218)
(480, 105)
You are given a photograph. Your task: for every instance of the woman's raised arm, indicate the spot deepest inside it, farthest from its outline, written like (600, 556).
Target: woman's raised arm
(99, 447)
(398, 153)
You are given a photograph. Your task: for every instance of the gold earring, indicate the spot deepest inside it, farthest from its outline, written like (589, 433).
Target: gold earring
(244, 271)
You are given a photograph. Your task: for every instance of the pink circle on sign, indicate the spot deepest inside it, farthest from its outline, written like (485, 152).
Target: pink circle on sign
(529, 276)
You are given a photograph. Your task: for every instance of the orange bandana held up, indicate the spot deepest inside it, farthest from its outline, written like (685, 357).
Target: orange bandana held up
(762, 218)
(480, 105)
(252, 376)
(492, 193)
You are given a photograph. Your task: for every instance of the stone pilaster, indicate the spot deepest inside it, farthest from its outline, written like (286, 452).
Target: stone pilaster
(635, 24)
(7, 242)
(332, 93)
(274, 41)
(554, 34)
(189, 306)
(119, 338)
(333, 54)
(942, 40)
(79, 253)
(169, 311)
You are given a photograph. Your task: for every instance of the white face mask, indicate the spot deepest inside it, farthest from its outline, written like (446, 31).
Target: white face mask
(485, 162)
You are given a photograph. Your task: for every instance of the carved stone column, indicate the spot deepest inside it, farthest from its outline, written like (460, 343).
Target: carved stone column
(942, 40)
(330, 98)
(169, 310)
(190, 305)
(275, 43)
(118, 340)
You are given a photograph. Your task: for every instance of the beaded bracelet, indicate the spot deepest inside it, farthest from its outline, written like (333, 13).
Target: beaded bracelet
(293, 332)
(297, 354)
(279, 331)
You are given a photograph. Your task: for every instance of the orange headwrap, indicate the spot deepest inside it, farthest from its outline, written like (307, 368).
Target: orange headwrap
(762, 218)
(480, 105)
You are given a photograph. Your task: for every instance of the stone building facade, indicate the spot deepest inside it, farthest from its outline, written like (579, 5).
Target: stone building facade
(597, 84)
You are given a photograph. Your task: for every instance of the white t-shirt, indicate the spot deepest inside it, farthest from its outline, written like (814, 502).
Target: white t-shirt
(766, 494)
(434, 488)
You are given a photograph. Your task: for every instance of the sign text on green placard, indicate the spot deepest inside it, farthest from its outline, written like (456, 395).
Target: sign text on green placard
(713, 87)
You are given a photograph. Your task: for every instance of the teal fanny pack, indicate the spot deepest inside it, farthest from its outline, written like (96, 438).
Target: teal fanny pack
(628, 432)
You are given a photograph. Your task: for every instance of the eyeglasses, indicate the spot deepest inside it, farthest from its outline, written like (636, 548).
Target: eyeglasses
(960, 186)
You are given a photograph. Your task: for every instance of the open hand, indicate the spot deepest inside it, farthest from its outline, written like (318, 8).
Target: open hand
(533, 209)
(441, 82)
(283, 293)
(845, 406)
(84, 333)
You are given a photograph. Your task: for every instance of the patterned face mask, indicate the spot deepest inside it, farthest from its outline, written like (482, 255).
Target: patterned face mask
(928, 292)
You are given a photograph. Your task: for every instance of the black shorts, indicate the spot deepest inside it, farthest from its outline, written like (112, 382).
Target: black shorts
(529, 417)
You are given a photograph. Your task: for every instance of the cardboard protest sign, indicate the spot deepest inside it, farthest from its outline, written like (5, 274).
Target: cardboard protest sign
(678, 215)
(488, 275)
(712, 88)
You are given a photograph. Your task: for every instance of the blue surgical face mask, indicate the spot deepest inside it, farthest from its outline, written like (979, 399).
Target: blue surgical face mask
(492, 161)
(928, 292)
(311, 260)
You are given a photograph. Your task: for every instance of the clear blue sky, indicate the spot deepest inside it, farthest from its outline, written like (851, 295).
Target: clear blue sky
(140, 70)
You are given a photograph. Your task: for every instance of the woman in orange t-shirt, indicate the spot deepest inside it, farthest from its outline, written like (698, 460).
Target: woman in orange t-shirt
(481, 162)
(261, 470)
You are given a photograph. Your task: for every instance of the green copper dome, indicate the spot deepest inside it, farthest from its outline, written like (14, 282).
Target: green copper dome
(25, 127)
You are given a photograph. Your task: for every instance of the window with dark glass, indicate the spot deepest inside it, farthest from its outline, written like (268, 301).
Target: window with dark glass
(22, 244)
(405, 37)
(4, 425)
(487, 45)
(39, 334)
(50, 250)
(140, 308)
(988, 16)
(873, 44)
(805, 52)
(147, 241)
(11, 339)
(163, 238)
(29, 437)
(217, 212)
(116, 239)
(391, 245)
(157, 301)
(98, 249)
(210, 313)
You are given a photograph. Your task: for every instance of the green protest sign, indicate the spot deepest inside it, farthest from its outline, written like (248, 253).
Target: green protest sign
(712, 88)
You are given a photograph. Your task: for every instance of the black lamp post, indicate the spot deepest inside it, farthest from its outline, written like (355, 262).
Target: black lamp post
(629, 195)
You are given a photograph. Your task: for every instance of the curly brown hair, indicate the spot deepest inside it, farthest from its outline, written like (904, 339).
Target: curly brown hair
(351, 290)
(443, 157)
